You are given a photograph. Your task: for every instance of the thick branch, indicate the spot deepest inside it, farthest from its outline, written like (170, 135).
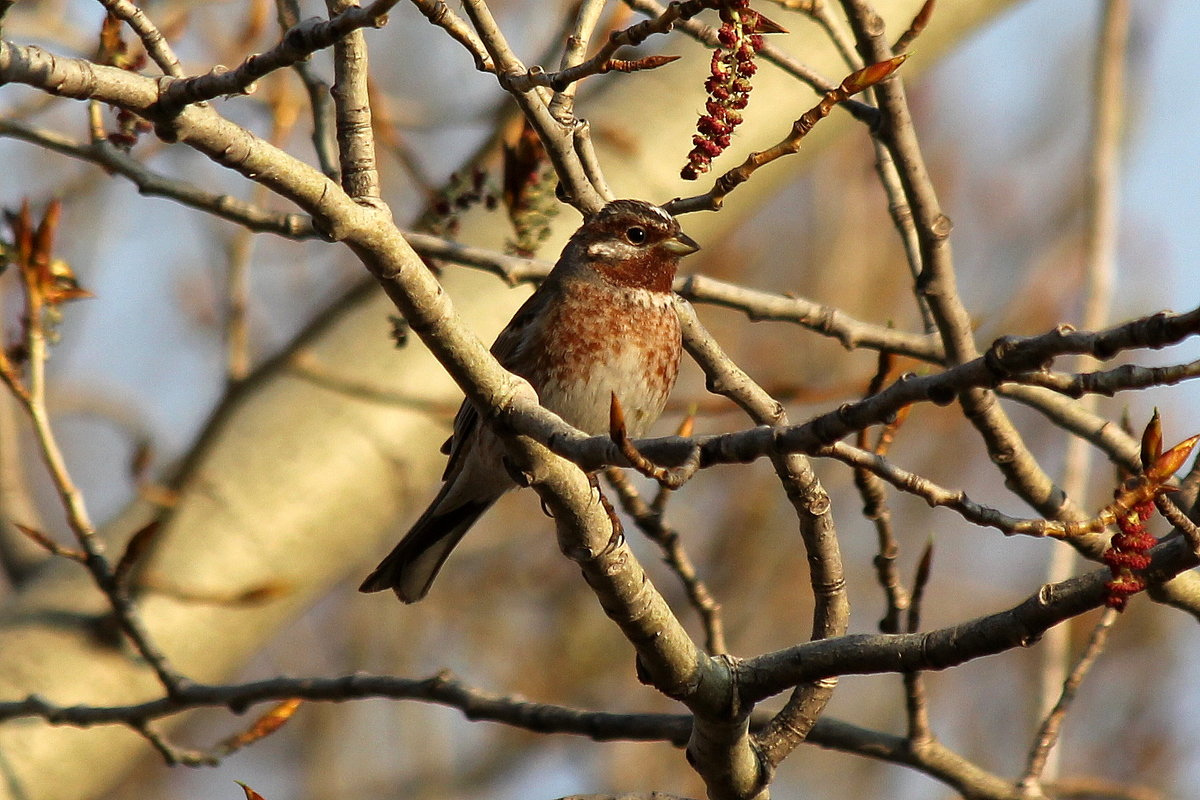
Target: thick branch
(1020, 626)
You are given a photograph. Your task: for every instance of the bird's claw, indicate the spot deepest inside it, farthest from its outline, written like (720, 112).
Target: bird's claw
(669, 477)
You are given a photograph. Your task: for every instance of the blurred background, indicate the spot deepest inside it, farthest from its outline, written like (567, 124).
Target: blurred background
(1004, 117)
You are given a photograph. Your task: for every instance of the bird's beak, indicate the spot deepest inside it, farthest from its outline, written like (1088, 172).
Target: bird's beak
(681, 245)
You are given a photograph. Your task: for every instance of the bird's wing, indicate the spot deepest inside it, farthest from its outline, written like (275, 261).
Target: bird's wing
(507, 350)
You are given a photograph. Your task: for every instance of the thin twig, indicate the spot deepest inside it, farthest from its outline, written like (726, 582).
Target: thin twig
(296, 45)
(157, 46)
(172, 755)
(154, 184)
(773, 55)
(603, 62)
(32, 400)
(1100, 265)
(320, 103)
(562, 105)
(1174, 514)
(1051, 726)
(586, 151)
(822, 13)
(852, 85)
(875, 508)
(440, 14)
(556, 138)
(916, 703)
(923, 15)
(305, 364)
(51, 546)
(939, 496)
(1109, 382)
(885, 165)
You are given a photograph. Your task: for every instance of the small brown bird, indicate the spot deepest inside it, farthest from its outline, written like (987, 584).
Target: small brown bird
(602, 322)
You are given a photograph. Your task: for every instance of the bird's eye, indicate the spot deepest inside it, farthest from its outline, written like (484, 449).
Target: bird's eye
(635, 235)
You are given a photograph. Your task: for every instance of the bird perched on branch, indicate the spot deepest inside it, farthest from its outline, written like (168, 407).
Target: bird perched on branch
(603, 323)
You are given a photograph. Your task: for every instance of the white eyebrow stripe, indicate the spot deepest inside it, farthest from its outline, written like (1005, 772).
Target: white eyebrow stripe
(662, 213)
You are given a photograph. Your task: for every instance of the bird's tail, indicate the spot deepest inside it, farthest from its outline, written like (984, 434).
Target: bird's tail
(410, 568)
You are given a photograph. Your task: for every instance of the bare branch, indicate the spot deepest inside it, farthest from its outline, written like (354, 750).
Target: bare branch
(558, 139)
(323, 136)
(157, 47)
(296, 45)
(831, 612)
(562, 105)
(772, 673)
(915, 699)
(936, 495)
(352, 110)
(603, 61)
(153, 184)
(440, 14)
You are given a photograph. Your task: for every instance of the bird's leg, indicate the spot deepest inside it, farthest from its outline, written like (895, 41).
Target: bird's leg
(670, 477)
(618, 534)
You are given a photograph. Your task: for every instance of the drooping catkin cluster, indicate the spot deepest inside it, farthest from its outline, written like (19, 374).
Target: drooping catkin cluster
(728, 84)
(1129, 551)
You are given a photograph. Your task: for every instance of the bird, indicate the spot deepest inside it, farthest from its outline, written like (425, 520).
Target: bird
(601, 325)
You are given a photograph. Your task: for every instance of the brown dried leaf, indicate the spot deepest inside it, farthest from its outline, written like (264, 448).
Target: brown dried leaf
(111, 47)
(47, 280)
(524, 158)
(133, 551)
